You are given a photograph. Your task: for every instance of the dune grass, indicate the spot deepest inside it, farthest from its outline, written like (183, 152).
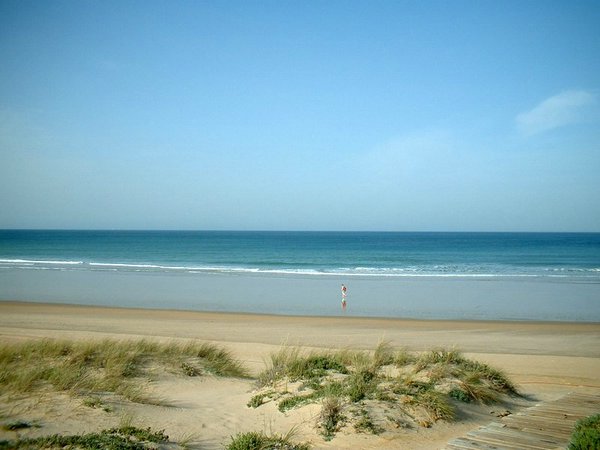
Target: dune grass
(123, 438)
(254, 440)
(106, 366)
(420, 388)
(351, 387)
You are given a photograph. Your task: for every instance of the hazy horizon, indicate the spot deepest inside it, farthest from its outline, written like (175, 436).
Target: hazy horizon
(192, 230)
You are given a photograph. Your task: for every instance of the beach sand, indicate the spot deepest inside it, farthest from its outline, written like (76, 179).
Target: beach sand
(545, 359)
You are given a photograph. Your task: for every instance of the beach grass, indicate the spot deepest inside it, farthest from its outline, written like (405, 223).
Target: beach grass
(331, 417)
(118, 367)
(254, 440)
(418, 388)
(351, 387)
(122, 438)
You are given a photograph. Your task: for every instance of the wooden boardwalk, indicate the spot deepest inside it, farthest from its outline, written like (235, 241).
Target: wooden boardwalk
(545, 426)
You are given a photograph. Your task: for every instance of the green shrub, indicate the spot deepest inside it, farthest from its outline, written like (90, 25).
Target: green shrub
(297, 400)
(460, 395)
(314, 366)
(247, 441)
(360, 385)
(586, 435)
(256, 400)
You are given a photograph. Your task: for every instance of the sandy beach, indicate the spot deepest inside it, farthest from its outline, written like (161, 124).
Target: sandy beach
(545, 359)
(299, 225)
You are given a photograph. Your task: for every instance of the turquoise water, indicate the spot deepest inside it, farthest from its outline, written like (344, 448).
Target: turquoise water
(488, 276)
(575, 255)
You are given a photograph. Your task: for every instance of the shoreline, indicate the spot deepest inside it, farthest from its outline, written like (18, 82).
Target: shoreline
(420, 298)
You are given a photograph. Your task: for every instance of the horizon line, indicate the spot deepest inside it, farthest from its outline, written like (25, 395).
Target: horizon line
(232, 230)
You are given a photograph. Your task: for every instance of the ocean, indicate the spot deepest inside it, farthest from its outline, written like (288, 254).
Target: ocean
(420, 275)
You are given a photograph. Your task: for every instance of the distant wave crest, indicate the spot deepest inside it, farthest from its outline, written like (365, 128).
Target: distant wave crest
(470, 271)
(34, 262)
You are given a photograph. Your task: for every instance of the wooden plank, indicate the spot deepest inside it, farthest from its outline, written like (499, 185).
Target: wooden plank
(510, 432)
(580, 404)
(461, 444)
(542, 434)
(586, 403)
(523, 440)
(559, 412)
(556, 434)
(543, 423)
(560, 435)
(543, 426)
(575, 408)
(470, 444)
(571, 419)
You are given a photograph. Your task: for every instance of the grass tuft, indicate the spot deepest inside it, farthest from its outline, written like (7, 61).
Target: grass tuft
(360, 385)
(383, 355)
(106, 366)
(438, 356)
(295, 401)
(124, 438)
(436, 404)
(475, 387)
(331, 417)
(259, 441)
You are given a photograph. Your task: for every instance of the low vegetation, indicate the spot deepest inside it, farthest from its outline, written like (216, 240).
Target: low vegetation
(88, 368)
(368, 392)
(124, 438)
(260, 441)
(586, 435)
(354, 387)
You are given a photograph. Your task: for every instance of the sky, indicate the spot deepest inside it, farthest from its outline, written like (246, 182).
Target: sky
(300, 115)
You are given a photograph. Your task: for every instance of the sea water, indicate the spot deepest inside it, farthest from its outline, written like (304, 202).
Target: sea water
(522, 276)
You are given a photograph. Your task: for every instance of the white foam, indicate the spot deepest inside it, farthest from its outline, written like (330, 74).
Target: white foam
(31, 262)
(139, 266)
(142, 266)
(437, 271)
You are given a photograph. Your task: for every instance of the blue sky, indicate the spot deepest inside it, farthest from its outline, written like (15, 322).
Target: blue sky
(307, 115)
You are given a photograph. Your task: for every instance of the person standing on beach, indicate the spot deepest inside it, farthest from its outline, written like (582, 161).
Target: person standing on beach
(344, 297)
